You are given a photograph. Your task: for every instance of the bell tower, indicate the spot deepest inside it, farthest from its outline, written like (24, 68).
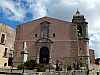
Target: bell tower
(82, 39)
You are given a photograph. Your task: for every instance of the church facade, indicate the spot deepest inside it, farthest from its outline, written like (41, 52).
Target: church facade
(49, 40)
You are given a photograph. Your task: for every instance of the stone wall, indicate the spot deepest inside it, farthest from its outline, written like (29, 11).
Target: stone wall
(8, 45)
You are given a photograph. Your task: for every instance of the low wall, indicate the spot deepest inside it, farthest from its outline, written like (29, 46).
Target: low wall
(30, 72)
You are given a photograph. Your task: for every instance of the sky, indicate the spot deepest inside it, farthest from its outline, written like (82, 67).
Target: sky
(15, 12)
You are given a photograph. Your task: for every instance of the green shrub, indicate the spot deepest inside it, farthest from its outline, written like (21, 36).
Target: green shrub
(40, 68)
(31, 64)
(21, 66)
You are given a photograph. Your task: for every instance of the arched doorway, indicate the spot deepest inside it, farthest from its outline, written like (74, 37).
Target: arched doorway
(44, 55)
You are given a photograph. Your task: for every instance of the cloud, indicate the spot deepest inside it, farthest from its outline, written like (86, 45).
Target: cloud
(11, 11)
(95, 42)
(23, 10)
(26, 10)
(38, 9)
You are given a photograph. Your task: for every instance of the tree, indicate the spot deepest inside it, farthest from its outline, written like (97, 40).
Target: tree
(21, 66)
(30, 64)
(40, 68)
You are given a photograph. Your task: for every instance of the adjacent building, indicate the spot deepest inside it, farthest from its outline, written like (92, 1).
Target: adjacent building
(7, 38)
(97, 61)
(49, 41)
(92, 56)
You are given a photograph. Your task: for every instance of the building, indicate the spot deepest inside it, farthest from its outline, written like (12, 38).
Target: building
(92, 56)
(97, 61)
(51, 40)
(7, 37)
